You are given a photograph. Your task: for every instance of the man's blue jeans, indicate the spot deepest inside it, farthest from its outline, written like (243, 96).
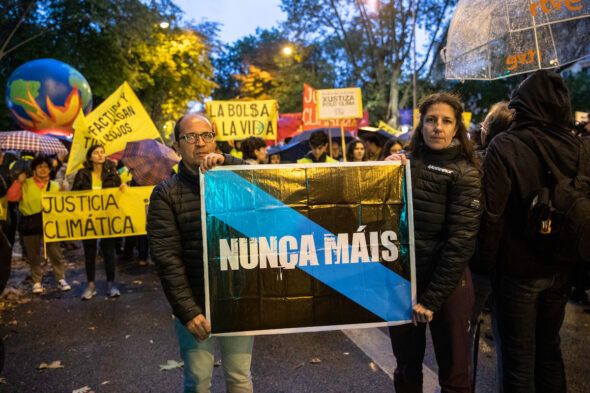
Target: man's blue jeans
(236, 357)
(530, 313)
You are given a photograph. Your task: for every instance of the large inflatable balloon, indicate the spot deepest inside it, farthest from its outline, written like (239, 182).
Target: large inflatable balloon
(47, 93)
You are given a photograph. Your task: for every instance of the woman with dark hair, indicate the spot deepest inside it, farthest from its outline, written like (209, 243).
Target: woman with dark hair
(392, 146)
(446, 198)
(98, 173)
(254, 150)
(356, 151)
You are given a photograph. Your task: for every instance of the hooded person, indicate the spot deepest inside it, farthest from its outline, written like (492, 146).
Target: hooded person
(530, 284)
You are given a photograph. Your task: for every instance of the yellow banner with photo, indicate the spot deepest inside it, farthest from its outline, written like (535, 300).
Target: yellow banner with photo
(236, 120)
(95, 214)
(121, 118)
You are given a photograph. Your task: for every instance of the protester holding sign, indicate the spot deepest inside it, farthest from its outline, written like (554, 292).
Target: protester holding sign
(27, 191)
(446, 196)
(176, 243)
(98, 173)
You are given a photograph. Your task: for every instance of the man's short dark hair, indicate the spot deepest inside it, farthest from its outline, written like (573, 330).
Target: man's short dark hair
(318, 139)
(177, 128)
(40, 159)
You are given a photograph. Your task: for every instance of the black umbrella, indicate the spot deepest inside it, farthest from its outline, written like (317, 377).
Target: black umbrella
(299, 145)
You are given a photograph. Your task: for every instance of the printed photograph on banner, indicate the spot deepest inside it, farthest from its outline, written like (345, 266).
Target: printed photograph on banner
(94, 214)
(307, 247)
(236, 120)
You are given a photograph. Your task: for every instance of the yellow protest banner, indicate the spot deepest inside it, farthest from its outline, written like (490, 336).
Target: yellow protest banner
(235, 120)
(467, 119)
(121, 118)
(386, 127)
(3, 208)
(94, 214)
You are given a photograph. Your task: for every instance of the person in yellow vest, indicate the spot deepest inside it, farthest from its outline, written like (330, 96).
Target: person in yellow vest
(27, 192)
(318, 142)
(98, 173)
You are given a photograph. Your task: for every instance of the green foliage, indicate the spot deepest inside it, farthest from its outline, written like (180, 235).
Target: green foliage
(109, 42)
(169, 71)
(369, 48)
(255, 67)
(579, 85)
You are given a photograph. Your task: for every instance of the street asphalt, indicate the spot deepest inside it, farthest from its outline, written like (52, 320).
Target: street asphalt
(106, 345)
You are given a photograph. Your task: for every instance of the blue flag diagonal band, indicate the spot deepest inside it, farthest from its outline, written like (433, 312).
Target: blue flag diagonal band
(253, 212)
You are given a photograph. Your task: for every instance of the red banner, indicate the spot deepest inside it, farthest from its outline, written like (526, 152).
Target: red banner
(310, 116)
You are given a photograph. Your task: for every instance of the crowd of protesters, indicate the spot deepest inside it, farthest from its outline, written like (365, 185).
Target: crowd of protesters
(471, 191)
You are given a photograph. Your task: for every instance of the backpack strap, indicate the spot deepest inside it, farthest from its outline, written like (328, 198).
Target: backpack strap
(557, 174)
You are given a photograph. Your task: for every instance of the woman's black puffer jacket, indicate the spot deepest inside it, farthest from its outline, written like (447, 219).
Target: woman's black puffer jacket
(110, 177)
(176, 240)
(446, 196)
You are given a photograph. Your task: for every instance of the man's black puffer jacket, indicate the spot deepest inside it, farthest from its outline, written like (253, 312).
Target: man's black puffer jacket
(176, 241)
(446, 196)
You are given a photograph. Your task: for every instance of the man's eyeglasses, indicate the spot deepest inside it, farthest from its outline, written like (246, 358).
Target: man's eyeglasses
(191, 138)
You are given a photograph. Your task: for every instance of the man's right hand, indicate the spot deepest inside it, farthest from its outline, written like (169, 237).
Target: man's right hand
(21, 177)
(199, 327)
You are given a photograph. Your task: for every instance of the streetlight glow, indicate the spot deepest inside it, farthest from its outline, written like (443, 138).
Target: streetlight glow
(287, 51)
(164, 25)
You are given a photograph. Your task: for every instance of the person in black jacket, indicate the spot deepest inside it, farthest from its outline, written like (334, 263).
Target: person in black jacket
(530, 284)
(98, 173)
(176, 245)
(446, 197)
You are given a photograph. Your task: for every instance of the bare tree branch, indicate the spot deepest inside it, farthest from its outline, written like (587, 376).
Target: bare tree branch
(22, 18)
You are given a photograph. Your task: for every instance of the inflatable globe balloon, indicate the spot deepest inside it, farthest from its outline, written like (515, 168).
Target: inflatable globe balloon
(47, 93)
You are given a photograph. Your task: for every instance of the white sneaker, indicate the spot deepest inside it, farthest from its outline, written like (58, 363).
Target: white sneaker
(89, 292)
(63, 285)
(37, 288)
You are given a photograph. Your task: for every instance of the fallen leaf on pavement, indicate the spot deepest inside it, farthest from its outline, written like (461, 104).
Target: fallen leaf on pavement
(136, 282)
(84, 389)
(105, 382)
(373, 366)
(53, 365)
(2, 381)
(151, 341)
(298, 366)
(315, 360)
(127, 336)
(171, 365)
(217, 363)
(91, 328)
(14, 322)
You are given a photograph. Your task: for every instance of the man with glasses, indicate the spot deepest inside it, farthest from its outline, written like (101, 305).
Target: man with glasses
(176, 244)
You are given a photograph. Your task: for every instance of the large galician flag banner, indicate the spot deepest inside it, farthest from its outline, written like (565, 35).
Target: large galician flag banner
(307, 247)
